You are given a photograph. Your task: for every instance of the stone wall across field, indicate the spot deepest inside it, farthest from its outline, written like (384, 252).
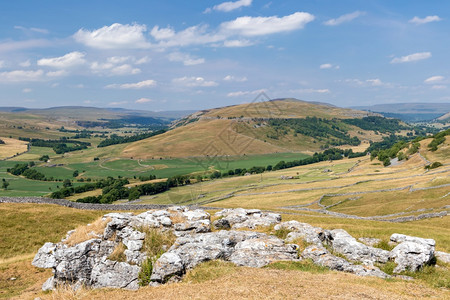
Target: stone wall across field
(86, 206)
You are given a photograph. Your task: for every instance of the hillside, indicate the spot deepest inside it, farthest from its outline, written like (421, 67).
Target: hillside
(409, 112)
(284, 125)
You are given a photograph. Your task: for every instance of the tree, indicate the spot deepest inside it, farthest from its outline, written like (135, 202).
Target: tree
(44, 158)
(5, 184)
(75, 173)
(67, 183)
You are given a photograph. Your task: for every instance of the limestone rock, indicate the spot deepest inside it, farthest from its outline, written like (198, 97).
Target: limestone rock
(369, 241)
(49, 284)
(248, 218)
(320, 256)
(411, 256)
(244, 248)
(344, 243)
(445, 257)
(115, 275)
(310, 234)
(45, 257)
(399, 238)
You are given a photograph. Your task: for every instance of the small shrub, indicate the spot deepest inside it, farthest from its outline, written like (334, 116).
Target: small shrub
(282, 233)
(156, 242)
(146, 272)
(388, 267)
(434, 165)
(384, 245)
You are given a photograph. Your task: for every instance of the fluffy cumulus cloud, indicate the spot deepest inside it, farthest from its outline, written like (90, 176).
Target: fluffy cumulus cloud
(186, 59)
(257, 26)
(411, 57)
(69, 60)
(143, 100)
(138, 85)
(194, 35)
(118, 65)
(193, 82)
(117, 103)
(116, 36)
(434, 79)
(230, 6)
(344, 18)
(427, 19)
(21, 76)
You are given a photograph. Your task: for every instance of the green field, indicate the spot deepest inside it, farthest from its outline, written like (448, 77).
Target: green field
(129, 168)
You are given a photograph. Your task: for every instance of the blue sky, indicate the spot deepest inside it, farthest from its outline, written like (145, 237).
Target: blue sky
(176, 55)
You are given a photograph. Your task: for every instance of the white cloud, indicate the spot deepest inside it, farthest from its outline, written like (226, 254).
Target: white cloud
(255, 26)
(116, 36)
(138, 85)
(439, 87)
(344, 18)
(245, 93)
(194, 35)
(311, 91)
(427, 19)
(434, 79)
(21, 76)
(56, 73)
(411, 57)
(142, 60)
(69, 60)
(185, 58)
(25, 64)
(230, 6)
(27, 44)
(125, 69)
(234, 78)
(34, 29)
(116, 103)
(2, 64)
(237, 43)
(326, 66)
(193, 82)
(143, 100)
(27, 90)
(374, 82)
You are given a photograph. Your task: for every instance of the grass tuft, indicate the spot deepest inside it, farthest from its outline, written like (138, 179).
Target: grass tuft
(305, 265)
(209, 271)
(383, 244)
(119, 253)
(87, 232)
(156, 242)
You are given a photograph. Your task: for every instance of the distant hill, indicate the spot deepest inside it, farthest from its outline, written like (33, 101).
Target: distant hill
(409, 112)
(282, 125)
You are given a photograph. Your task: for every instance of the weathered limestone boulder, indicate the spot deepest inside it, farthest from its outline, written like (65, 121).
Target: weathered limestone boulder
(411, 256)
(45, 257)
(369, 241)
(114, 274)
(443, 256)
(310, 234)
(412, 253)
(343, 243)
(399, 238)
(247, 218)
(320, 256)
(244, 248)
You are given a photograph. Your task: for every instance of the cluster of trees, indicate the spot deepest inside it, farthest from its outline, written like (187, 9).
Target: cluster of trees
(147, 177)
(331, 130)
(60, 146)
(438, 139)
(114, 139)
(1, 142)
(28, 172)
(5, 184)
(375, 123)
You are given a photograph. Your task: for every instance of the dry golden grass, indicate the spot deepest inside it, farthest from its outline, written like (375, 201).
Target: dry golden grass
(12, 147)
(248, 283)
(118, 253)
(86, 232)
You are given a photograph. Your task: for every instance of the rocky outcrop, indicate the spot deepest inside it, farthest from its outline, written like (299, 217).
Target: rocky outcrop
(92, 261)
(412, 253)
(443, 256)
(322, 257)
(245, 218)
(243, 248)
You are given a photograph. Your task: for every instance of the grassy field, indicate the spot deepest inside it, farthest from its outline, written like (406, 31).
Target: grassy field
(11, 147)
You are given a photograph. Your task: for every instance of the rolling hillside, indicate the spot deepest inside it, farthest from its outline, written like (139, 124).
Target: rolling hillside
(283, 125)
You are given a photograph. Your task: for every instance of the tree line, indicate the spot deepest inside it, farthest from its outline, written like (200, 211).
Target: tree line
(115, 139)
